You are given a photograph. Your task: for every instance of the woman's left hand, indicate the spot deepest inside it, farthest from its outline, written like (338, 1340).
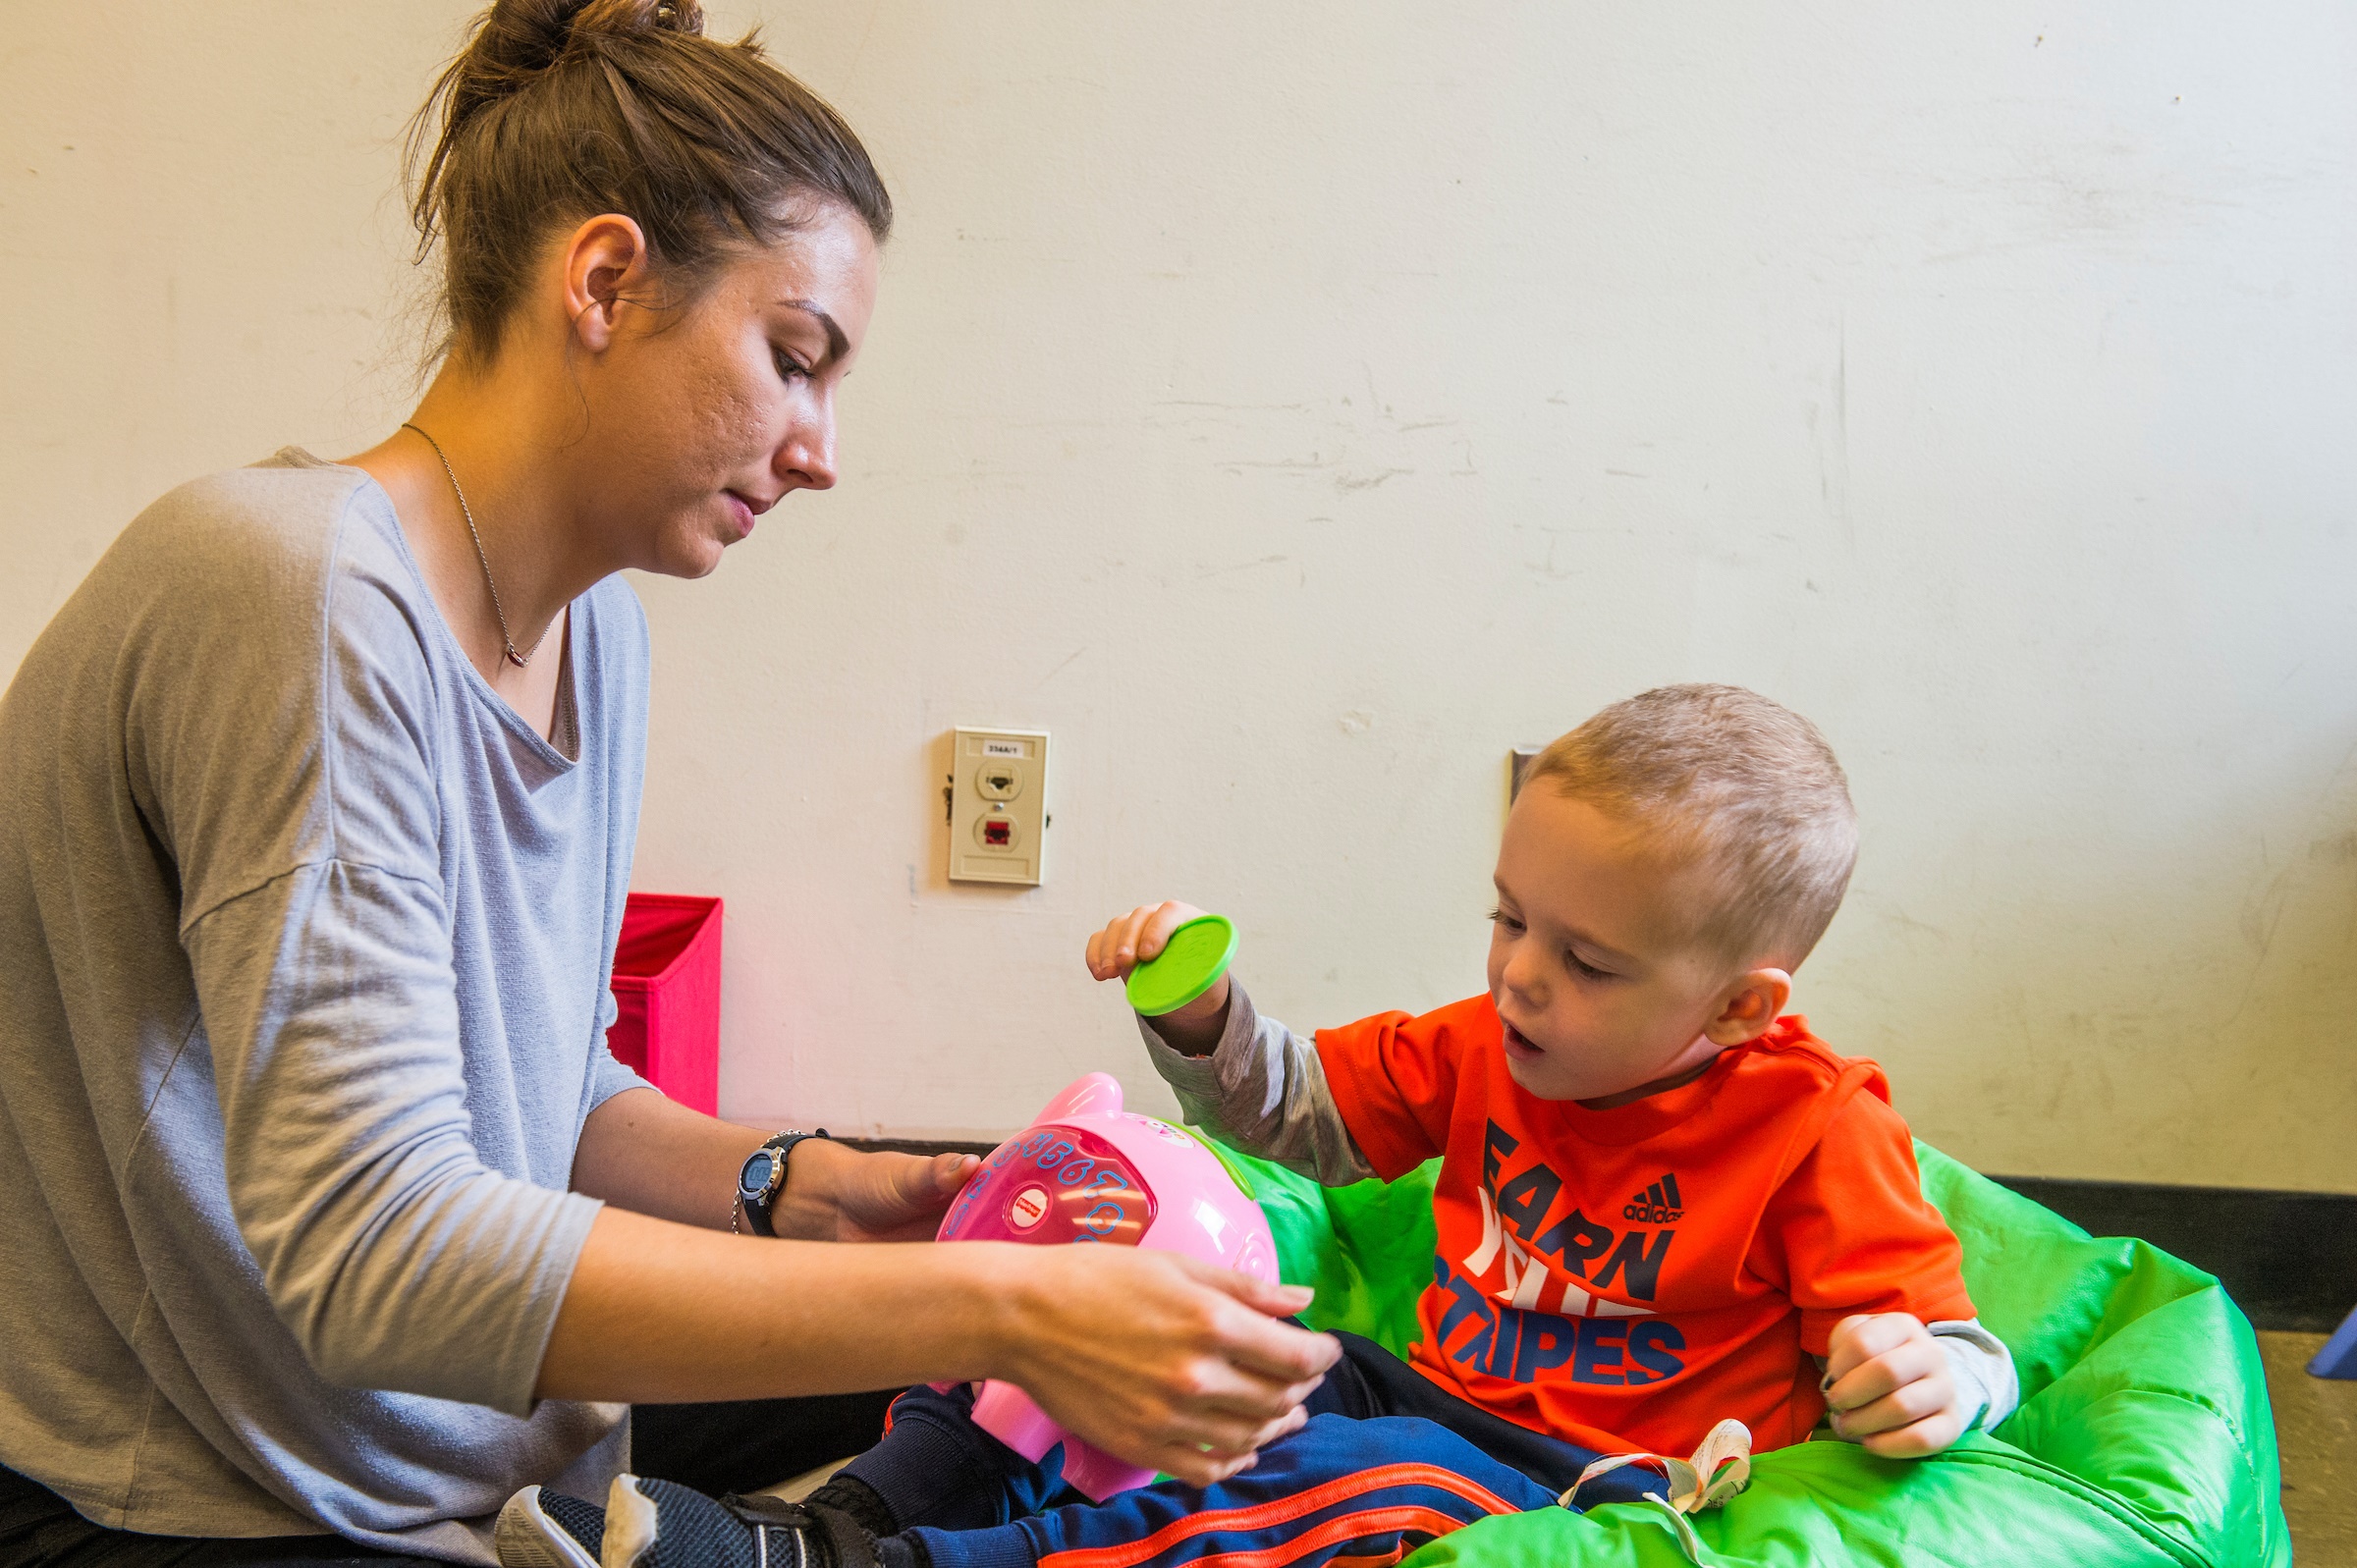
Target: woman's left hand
(834, 1193)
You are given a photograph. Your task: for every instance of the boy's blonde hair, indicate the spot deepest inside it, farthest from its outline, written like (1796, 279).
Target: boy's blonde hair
(1741, 786)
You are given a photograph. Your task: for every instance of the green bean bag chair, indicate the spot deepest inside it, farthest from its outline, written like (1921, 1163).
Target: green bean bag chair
(2143, 1436)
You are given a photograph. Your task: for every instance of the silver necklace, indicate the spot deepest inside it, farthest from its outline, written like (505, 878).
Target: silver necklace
(519, 660)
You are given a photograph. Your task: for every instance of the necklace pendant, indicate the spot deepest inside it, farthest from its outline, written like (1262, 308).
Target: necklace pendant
(519, 660)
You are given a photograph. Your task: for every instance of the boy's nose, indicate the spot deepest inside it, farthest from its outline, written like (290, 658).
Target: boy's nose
(1522, 976)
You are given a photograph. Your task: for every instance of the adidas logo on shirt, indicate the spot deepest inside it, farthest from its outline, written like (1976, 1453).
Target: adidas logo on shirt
(1657, 1205)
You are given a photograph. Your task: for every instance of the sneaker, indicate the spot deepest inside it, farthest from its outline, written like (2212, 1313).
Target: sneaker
(659, 1523)
(543, 1528)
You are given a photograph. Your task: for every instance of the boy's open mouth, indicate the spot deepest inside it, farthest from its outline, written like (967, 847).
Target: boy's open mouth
(1518, 1045)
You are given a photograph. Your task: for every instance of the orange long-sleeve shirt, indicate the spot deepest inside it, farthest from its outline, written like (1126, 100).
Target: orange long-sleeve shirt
(1628, 1278)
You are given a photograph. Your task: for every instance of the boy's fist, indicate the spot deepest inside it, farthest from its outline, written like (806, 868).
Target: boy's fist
(1888, 1389)
(1131, 939)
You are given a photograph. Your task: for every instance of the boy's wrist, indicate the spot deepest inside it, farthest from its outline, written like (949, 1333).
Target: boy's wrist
(1195, 1029)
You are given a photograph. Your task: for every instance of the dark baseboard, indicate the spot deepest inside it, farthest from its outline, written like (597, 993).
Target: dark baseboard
(921, 1146)
(2288, 1259)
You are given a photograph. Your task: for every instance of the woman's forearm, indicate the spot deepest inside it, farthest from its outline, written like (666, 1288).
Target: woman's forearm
(642, 1152)
(666, 1313)
(638, 1150)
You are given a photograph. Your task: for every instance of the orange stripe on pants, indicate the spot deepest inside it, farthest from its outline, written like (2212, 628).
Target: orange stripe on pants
(1261, 1516)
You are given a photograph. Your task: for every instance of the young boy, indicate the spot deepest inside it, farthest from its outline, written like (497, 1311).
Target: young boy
(1660, 1202)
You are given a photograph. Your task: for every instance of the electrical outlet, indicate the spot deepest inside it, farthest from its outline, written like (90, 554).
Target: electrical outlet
(998, 806)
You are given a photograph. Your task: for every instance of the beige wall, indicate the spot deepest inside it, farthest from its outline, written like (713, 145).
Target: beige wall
(1293, 405)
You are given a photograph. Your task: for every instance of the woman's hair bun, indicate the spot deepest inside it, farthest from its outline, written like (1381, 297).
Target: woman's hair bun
(638, 17)
(517, 39)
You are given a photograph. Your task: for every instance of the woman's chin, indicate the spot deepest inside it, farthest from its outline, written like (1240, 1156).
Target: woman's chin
(687, 555)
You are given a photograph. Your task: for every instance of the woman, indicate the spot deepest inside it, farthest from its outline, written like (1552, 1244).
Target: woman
(326, 1213)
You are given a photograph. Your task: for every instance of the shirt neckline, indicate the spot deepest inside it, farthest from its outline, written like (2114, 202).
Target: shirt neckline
(1656, 1114)
(568, 677)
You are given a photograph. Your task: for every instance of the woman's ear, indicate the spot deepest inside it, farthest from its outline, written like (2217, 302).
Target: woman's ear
(605, 262)
(1751, 1002)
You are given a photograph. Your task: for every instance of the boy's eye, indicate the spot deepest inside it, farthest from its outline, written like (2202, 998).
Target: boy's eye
(1584, 969)
(1499, 917)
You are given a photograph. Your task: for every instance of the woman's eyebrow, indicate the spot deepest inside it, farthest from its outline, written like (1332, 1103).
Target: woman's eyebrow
(837, 344)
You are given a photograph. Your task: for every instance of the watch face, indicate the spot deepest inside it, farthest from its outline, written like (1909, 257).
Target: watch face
(753, 1181)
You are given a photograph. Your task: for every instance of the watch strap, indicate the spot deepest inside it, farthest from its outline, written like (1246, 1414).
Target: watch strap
(755, 1208)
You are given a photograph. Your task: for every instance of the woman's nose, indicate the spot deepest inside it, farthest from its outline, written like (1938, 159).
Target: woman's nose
(807, 456)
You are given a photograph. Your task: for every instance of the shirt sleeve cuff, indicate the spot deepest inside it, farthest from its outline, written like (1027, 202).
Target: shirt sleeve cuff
(559, 1254)
(1200, 1077)
(1983, 1369)
(608, 1077)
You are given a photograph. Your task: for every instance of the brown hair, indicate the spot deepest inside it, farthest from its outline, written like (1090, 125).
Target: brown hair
(1742, 787)
(559, 110)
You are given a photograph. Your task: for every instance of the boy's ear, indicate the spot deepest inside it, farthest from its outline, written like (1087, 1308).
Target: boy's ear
(1751, 1002)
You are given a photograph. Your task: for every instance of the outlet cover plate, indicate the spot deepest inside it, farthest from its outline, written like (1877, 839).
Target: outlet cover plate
(998, 806)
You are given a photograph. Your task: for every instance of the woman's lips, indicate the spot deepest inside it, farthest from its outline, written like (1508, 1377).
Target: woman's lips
(1518, 1045)
(743, 510)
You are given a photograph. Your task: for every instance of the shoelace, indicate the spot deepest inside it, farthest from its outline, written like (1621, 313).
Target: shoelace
(1717, 1470)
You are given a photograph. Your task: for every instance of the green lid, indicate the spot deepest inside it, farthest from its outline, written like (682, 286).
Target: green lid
(1188, 965)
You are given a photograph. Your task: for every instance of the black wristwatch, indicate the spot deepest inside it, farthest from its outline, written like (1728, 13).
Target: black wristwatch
(763, 1179)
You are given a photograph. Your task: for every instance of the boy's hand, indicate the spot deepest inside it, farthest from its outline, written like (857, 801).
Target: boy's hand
(1131, 939)
(1888, 1386)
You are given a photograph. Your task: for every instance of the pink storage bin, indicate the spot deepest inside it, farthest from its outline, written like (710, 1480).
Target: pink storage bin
(667, 995)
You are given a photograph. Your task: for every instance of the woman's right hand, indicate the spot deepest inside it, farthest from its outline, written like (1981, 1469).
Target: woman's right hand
(1157, 1359)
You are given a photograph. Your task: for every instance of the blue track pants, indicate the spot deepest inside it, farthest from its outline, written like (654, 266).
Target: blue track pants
(1387, 1462)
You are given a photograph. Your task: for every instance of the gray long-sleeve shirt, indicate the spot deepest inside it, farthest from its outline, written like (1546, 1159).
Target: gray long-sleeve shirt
(304, 946)
(1263, 1090)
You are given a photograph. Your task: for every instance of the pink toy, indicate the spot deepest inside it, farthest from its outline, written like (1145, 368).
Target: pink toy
(1086, 1170)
